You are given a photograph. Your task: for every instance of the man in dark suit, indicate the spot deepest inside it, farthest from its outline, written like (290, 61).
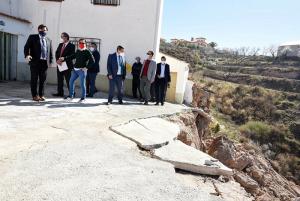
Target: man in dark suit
(136, 72)
(116, 73)
(162, 80)
(38, 53)
(64, 49)
(93, 71)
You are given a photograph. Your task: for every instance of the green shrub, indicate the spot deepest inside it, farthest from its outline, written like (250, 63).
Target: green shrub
(289, 166)
(295, 129)
(257, 131)
(216, 128)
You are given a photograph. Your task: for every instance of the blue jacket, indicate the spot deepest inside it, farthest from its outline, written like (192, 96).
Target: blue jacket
(112, 66)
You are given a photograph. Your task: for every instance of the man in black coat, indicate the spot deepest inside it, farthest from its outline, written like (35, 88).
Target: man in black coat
(64, 49)
(38, 53)
(93, 71)
(162, 81)
(136, 72)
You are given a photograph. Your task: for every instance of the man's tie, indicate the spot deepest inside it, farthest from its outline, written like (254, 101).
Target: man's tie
(44, 48)
(62, 49)
(121, 61)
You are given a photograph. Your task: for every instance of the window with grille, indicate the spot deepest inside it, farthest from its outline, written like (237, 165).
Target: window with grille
(106, 2)
(75, 41)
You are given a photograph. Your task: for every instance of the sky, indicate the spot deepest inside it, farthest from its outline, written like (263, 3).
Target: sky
(233, 23)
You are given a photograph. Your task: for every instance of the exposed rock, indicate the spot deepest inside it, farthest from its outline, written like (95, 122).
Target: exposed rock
(201, 97)
(225, 150)
(247, 182)
(188, 129)
(266, 197)
(256, 174)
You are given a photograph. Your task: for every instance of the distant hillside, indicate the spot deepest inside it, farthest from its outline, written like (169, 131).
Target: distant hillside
(255, 98)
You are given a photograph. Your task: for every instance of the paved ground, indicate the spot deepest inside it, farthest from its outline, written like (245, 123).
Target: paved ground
(60, 151)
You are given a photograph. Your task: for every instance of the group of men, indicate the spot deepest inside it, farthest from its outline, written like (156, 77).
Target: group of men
(84, 64)
(150, 79)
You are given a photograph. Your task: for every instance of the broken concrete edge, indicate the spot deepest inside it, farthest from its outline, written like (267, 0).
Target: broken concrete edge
(193, 168)
(203, 170)
(163, 116)
(203, 114)
(145, 147)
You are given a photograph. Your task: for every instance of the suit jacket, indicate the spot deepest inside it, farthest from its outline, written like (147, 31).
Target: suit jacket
(33, 48)
(136, 70)
(112, 66)
(167, 72)
(151, 70)
(69, 50)
(95, 68)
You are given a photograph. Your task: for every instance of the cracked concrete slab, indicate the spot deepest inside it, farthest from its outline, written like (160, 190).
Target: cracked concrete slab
(187, 158)
(65, 151)
(149, 133)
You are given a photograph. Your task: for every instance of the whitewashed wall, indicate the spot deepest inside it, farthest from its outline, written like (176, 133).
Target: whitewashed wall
(182, 70)
(135, 24)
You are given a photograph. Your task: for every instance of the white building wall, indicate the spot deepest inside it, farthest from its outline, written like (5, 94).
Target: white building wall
(182, 70)
(135, 24)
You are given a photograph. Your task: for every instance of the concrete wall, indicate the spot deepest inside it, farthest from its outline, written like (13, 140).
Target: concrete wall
(188, 94)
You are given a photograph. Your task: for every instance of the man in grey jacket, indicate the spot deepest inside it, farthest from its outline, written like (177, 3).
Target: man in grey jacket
(147, 76)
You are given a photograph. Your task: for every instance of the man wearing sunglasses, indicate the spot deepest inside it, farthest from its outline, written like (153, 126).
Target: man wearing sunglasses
(84, 60)
(64, 49)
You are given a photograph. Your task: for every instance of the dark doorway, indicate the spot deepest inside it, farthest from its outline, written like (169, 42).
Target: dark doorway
(8, 56)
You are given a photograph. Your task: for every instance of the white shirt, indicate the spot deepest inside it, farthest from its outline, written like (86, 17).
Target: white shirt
(45, 42)
(162, 70)
(119, 64)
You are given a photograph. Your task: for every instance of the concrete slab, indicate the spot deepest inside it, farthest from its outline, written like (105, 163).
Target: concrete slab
(150, 133)
(190, 159)
(65, 151)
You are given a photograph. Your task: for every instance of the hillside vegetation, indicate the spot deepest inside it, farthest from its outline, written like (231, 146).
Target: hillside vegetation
(255, 99)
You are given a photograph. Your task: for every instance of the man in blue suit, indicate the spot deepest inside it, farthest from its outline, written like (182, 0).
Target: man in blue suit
(116, 73)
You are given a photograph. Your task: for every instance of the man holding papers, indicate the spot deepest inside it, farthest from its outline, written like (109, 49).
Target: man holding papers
(64, 49)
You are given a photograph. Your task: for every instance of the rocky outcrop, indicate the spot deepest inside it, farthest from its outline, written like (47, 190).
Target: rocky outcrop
(188, 129)
(201, 97)
(254, 172)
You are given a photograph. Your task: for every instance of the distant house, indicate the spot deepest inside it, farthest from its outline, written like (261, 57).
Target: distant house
(197, 42)
(290, 49)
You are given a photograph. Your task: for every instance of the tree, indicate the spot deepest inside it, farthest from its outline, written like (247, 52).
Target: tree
(197, 59)
(243, 51)
(254, 51)
(272, 50)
